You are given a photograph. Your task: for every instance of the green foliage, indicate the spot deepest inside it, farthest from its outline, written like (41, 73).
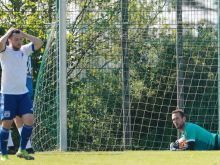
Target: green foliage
(98, 36)
(27, 16)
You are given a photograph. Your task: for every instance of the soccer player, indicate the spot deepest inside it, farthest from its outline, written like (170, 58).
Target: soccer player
(194, 137)
(17, 101)
(18, 120)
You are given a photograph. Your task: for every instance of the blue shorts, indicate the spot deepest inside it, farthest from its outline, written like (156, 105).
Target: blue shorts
(15, 105)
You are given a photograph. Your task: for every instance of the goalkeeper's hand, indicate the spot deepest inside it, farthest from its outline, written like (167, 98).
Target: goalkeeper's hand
(174, 146)
(181, 145)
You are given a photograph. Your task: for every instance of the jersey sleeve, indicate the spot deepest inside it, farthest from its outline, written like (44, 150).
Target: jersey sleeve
(2, 54)
(28, 49)
(190, 134)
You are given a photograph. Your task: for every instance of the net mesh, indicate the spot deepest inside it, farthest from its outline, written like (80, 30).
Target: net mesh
(95, 69)
(46, 99)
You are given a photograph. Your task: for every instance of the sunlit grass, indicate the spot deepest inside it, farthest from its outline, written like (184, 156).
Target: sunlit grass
(121, 158)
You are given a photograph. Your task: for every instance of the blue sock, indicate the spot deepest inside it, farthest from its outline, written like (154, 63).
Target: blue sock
(4, 140)
(0, 137)
(25, 136)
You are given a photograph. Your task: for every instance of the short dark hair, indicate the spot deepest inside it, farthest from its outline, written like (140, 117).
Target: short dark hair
(14, 32)
(180, 111)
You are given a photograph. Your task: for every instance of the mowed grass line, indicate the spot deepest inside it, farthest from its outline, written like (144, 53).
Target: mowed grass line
(121, 158)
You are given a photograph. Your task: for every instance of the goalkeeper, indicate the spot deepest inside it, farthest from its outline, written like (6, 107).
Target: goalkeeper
(194, 137)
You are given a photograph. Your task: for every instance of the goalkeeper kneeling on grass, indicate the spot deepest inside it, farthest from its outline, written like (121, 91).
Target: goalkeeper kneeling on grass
(193, 137)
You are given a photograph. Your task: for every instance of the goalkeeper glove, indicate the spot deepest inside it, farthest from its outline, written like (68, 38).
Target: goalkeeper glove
(174, 146)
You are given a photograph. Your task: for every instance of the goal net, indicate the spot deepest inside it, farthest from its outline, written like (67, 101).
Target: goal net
(158, 48)
(46, 98)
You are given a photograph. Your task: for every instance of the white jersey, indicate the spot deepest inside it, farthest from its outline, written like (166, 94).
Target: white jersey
(14, 69)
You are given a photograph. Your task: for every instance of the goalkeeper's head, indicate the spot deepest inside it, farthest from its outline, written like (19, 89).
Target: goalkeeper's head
(179, 119)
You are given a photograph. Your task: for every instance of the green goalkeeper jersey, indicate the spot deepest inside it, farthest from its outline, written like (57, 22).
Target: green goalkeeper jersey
(204, 140)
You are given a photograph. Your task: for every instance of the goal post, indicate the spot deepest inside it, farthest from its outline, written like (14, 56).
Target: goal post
(127, 139)
(62, 73)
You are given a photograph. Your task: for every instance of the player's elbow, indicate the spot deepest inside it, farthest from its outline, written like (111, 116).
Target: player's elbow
(2, 47)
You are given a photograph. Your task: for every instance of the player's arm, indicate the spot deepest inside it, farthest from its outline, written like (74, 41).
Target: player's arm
(190, 145)
(4, 39)
(174, 146)
(36, 41)
(182, 146)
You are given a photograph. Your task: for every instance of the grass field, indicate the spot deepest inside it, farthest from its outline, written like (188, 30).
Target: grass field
(121, 158)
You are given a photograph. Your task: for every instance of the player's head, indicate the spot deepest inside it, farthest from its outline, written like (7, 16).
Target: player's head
(15, 39)
(178, 118)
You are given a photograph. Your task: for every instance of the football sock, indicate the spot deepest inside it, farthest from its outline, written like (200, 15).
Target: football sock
(25, 136)
(10, 141)
(29, 141)
(4, 133)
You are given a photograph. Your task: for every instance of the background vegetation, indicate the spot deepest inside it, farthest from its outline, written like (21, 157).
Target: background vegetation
(95, 71)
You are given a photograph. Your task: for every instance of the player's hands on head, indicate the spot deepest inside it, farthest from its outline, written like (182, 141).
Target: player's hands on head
(23, 34)
(15, 29)
(11, 29)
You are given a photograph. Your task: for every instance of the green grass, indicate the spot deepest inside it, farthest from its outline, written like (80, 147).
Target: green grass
(121, 158)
